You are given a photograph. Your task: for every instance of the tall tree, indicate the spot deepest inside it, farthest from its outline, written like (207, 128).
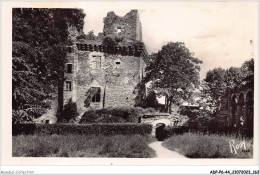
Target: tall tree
(173, 72)
(40, 38)
(62, 20)
(247, 70)
(215, 85)
(219, 82)
(233, 77)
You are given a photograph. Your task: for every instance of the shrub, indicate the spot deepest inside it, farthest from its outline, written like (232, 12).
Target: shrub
(26, 115)
(190, 111)
(109, 41)
(70, 111)
(212, 127)
(114, 115)
(23, 128)
(173, 130)
(20, 116)
(69, 128)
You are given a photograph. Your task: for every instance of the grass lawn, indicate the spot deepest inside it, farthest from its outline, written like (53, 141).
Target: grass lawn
(131, 146)
(195, 145)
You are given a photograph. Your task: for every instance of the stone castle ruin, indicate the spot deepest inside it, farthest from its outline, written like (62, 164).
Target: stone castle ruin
(106, 70)
(237, 109)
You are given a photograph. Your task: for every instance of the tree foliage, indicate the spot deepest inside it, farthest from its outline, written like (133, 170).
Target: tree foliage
(215, 85)
(248, 72)
(40, 37)
(173, 72)
(89, 36)
(151, 99)
(219, 82)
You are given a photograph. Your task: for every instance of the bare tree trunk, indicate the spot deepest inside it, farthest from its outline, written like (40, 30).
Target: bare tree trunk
(104, 95)
(60, 93)
(170, 107)
(166, 103)
(60, 99)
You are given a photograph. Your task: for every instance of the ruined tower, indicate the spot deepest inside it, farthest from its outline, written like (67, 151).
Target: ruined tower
(106, 70)
(127, 27)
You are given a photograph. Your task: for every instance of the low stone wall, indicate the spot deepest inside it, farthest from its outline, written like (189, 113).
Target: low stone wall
(157, 118)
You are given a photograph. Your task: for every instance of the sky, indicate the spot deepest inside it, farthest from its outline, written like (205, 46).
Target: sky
(218, 33)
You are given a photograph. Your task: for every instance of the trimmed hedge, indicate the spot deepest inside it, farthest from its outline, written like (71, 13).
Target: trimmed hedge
(96, 128)
(114, 115)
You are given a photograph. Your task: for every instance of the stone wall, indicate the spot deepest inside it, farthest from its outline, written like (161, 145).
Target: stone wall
(159, 118)
(120, 71)
(128, 25)
(236, 109)
(72, 58)
(117, 82)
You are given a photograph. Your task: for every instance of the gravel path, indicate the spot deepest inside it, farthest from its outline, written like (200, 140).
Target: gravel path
(163, 152)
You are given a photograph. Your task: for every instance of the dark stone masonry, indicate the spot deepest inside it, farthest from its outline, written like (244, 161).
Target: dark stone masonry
(107, 74)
